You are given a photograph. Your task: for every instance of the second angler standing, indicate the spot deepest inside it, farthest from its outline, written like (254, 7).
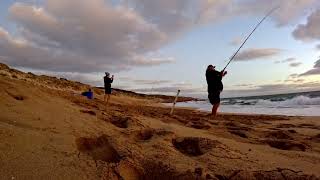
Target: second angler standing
(107, 87)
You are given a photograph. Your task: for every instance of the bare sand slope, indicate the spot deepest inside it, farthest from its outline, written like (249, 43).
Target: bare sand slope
(48, 131)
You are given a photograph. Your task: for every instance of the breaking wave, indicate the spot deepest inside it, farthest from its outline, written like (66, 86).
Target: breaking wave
(296, 101)
(293, 102)
(291, 105)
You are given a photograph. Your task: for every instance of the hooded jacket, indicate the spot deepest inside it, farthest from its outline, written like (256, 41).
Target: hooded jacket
(214, 81)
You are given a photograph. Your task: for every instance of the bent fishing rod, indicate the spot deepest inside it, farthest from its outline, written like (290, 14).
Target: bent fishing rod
(244, 42)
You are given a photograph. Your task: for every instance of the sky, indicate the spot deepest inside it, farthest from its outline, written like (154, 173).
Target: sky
(162, 46)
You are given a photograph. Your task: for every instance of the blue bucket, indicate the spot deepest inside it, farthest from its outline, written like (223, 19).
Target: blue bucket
(88, 94)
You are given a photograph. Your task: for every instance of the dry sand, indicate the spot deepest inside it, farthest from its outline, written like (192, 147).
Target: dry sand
(48, 131)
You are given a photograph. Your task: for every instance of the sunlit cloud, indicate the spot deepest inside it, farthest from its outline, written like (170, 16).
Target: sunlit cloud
(295, 64)
(236, 41)
(254, 54)
(309, 31)
(314, 71)
(286, 60)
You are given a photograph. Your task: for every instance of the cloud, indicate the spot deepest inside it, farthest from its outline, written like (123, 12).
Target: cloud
(99, 35)
(182, 85)
(287, 87)
(317, 64)
(244, 85)
(286, 60)
(144, 61)
(309, 31)
(293, 75)
(295, 80)
(173, 15)
(150, 82)
(254, 54)
(136, 81)
(236, 41)
(82, 36)
(187, 89)
(162, 90)
(287, 13)
(314, 71)
(295, 64)
(318, 47)
(298, 85)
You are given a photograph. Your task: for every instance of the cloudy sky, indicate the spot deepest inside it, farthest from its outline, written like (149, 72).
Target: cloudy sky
(159, 46)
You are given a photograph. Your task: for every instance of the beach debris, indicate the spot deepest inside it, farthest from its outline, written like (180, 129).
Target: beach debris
(174, 102)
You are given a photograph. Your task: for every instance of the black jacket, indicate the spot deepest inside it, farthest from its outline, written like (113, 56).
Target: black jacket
(107, 82)
(214, 81)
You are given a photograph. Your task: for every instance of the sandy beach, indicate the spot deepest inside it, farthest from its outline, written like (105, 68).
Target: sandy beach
(49, 131)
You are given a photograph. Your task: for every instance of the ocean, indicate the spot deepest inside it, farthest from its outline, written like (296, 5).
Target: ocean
(294, 104)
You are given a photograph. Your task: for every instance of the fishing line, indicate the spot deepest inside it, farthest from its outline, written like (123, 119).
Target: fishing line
(256, 27)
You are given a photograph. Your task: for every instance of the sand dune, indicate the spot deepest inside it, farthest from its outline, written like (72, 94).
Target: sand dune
(49, 131)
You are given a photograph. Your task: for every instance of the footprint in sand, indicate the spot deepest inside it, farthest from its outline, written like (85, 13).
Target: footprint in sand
(198, 125)
(145, 134)
(286, 144)
(272, 174)
(16, 97)
(278, 135)
(88, 112)
(99, 148)
(148, 133)
(120, 122)
(194, 146)
(284, 141)
(315, 138)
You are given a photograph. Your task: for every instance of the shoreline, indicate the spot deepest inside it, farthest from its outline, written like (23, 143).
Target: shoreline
(310, 111)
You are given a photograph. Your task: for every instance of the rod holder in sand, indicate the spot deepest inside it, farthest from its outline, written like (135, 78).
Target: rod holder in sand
(175, 102)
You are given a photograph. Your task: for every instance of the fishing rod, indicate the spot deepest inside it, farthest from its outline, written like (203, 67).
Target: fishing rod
(256, 27)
